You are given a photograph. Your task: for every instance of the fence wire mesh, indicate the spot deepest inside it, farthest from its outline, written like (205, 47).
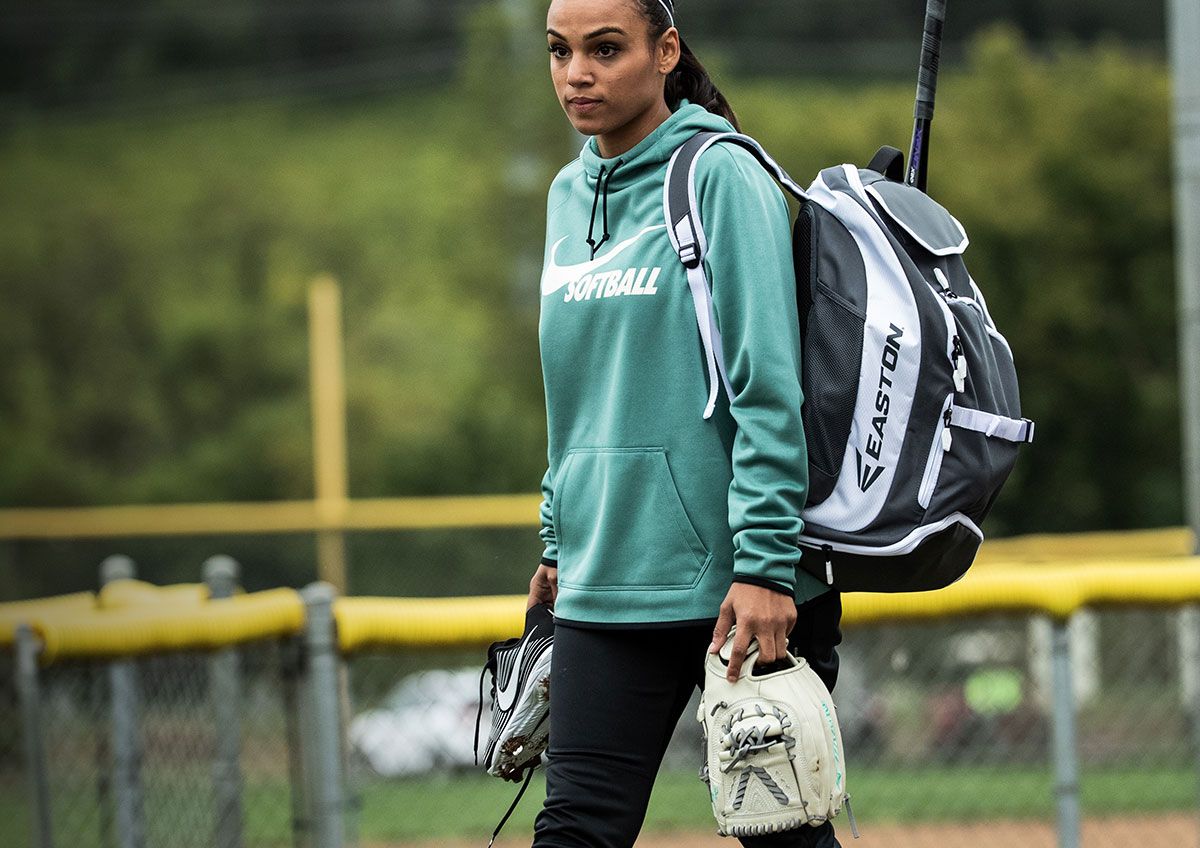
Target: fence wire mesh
(14, 794)
(164, 775)
(947, 726)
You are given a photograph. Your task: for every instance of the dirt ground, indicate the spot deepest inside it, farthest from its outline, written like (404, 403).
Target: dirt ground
(1165, 831)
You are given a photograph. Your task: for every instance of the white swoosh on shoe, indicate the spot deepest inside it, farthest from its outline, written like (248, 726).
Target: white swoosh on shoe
(508, 692)
(556, 276)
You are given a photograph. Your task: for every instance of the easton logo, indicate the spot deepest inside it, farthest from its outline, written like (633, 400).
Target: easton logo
(868, 474)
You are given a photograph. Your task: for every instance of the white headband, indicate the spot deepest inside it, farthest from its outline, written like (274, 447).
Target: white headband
(667, 9)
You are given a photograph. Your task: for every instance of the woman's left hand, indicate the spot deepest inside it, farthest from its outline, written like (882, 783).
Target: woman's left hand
(759, 613)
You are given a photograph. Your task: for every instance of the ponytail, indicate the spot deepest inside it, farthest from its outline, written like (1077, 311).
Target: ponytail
(689, 80)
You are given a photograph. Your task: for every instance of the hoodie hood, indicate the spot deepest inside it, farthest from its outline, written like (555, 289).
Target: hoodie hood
(653, 150)
(605, 176)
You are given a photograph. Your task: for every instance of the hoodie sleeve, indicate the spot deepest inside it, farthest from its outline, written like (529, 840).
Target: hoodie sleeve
(749, 266)
(550, 555)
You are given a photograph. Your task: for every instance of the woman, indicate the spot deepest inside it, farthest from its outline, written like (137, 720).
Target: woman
(662, 528)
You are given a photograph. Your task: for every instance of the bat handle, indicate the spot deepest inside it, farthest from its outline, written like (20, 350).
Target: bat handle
(931, 51)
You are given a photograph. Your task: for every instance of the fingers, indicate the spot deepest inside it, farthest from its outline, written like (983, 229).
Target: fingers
(535, 591)
(741, 643)
(721, 631)
(781, 636)
(543, 587)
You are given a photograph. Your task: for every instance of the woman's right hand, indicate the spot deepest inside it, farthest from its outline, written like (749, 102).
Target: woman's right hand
(543, 588)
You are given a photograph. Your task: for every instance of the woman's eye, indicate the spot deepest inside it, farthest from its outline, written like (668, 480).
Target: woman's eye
(558, 51)
(606, 51)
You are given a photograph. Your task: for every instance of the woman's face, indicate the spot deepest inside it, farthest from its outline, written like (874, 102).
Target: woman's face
(607, 71)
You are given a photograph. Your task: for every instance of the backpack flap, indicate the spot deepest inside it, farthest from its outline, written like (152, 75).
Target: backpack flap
(918, 215)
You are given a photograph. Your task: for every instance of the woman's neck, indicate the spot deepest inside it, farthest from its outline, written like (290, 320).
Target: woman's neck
(627, 137)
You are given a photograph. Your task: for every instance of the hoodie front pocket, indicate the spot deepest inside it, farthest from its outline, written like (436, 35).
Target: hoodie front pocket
(621, 524)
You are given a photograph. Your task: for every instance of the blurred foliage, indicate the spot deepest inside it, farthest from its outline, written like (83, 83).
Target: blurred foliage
(155, 276)
(70, 54)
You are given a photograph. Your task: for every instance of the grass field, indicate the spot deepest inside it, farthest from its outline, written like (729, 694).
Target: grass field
(433, 810)
(459, 807)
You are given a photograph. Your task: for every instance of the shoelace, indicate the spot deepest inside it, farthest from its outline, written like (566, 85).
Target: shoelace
(479, 713)
(513, 806)
(529, 770)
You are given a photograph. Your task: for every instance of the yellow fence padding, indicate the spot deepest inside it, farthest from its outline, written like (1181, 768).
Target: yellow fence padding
(21, 612)
(426, 622)
(365, 623)
(139, 629)
(1054, 590)
(131, 593)
(140, 619)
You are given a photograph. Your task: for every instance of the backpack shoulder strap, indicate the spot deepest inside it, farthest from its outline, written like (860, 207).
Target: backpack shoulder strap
(686, 231)
(679, 190)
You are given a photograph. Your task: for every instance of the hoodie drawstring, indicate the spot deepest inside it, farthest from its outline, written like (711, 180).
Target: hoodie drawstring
(602, 180)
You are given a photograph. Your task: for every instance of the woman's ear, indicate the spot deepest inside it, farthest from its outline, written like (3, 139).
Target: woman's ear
(668, 51)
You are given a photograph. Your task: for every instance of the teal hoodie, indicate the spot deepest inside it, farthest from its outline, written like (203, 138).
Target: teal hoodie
(650, 510)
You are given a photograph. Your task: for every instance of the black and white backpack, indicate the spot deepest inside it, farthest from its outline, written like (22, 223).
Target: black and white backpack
(911, 410)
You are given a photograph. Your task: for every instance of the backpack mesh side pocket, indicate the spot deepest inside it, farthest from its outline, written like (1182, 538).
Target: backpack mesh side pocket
(830, 365)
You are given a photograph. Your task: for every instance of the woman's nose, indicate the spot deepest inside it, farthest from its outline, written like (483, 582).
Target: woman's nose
(579, 72)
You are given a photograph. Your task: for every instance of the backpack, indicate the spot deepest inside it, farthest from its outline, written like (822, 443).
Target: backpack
(911, 409)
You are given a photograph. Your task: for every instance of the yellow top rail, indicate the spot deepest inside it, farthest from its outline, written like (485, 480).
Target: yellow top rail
(1122, 545)
(231, 519)
(477, 512)
(140, 620)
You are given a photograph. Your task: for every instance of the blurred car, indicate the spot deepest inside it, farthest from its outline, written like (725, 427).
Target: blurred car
(426, 723)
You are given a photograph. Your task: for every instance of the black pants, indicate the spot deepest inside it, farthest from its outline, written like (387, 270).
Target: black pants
(616, 696)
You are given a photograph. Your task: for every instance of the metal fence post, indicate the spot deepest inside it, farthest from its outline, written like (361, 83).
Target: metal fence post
(225, 684)
(325, 778)
(29, 690)
(1066, 754)
(1187, 623)
(296, 722)
(126, 744)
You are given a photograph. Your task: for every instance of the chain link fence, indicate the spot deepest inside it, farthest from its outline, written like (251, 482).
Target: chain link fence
(137, 753)
(950, 727)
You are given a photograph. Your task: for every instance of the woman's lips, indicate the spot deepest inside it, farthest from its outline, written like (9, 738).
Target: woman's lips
(583, 105)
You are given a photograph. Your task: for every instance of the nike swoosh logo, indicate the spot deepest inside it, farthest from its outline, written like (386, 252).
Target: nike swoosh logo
(556, 276)
(508, 692)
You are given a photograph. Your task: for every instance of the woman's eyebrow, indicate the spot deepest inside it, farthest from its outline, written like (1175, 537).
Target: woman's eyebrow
(594, 34)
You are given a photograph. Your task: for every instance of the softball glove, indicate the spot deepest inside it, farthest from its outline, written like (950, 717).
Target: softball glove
(774, 756)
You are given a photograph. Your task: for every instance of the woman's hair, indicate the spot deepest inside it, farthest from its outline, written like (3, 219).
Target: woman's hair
(689, 79)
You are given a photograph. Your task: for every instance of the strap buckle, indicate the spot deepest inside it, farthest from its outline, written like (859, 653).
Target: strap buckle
(689, 255)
